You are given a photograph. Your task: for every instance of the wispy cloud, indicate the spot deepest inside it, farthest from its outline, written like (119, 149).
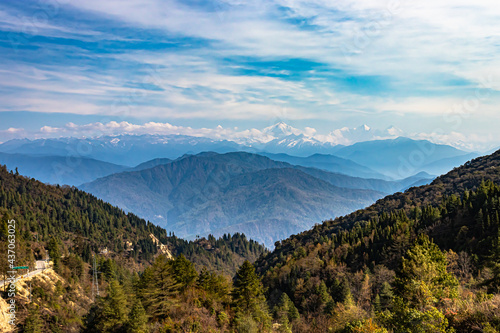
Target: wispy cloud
(253, 136)
(332, 62)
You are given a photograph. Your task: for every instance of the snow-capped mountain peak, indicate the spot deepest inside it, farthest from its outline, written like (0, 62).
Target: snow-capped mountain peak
(394, 131)
(281, 129)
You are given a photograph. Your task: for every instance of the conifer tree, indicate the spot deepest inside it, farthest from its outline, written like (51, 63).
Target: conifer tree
(138, 319)
(159, 288)
(109, 314)
(386, 296)
(248, 295)
(377, 304)
(421, 284)
(33, 323)
(248, 290)
(115, 309)
(285, 312)
(184, 271)
(54, 251)
(423, 278)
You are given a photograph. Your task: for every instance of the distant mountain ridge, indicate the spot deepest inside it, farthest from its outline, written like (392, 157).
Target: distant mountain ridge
(334, 177)
(330, 163)
(212, 193)
(390, 158)
(403, 157)
(63, 170)
(151, 164)
(379, 185)
(129, 150)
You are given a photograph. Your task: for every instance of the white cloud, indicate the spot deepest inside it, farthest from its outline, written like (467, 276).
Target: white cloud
(13, 133)
(416, 49)
(117, 128)
(49, 129)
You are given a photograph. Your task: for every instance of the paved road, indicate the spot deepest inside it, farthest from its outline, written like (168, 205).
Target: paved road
(23, 276)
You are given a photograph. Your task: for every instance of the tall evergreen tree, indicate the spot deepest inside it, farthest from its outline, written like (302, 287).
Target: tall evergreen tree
(54, 251)
(421, 284)
(116, 308)
(285, 312)
(423, 279)
(248, 290)
(184, 271)
(159, 288)
(138, 319)
(248, 295)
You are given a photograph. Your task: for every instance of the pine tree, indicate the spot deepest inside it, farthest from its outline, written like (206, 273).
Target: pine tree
(33, 323)
(159, 288)
(248, 294)
(54, 251)
(138, 319)
(285, 312)
(423, 278)
(386, 296)
(341, 291)
(377, 304)
(323, 293)
(184, 271)
(215, 285)
(421, 284)
(247, 287)
(114, 309)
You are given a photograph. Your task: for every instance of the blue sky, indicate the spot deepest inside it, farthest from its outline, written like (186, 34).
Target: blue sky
(429, 68)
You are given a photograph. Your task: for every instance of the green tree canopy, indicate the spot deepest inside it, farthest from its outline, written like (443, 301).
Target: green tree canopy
(422, 284)
(184, 271)
(248, 294)
(159, 288)
(423, 279)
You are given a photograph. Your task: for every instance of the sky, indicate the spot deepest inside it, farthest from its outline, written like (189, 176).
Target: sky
(428, 68)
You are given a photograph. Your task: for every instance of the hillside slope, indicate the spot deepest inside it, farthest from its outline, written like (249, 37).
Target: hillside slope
(455, 183)
(214, 193)
(345, 270)
(84, 224)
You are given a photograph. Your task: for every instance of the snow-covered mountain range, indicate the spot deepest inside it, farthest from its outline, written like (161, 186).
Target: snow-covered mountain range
(383, 151)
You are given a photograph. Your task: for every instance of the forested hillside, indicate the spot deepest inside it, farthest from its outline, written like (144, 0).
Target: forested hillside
(427, 260)
(422, 261)
(73, 225)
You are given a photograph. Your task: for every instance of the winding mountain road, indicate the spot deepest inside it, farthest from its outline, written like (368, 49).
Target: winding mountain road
(41, 266)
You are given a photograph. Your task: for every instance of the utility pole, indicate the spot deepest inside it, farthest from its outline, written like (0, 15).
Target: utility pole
(95, 279)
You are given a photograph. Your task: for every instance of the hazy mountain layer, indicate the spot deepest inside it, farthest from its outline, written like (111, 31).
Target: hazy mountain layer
(129, 150)
(402, 157)
(329, 163)
(68, 170)
(214, 193)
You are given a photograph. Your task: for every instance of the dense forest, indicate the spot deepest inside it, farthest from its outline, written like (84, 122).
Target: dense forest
(70, 226)
(427, 260)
